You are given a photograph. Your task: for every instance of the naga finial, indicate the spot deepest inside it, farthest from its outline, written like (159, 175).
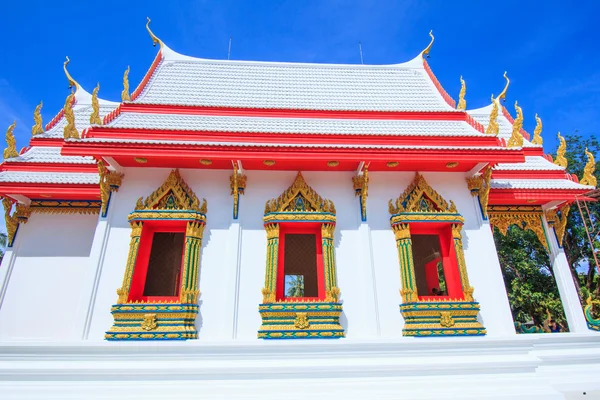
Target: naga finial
(537, 133)
(561, 160)
(155, 40)
(502, 95)
(125, 93)
(70, 131)
(38, 128)
(588, 171)
(428, 48)
(462, 103)
(11, 143)
(493, 128)
(72, 82)
(516, 139)
(95, 115)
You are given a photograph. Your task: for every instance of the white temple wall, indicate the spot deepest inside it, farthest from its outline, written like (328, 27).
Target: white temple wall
(231, 281)
(44, 286)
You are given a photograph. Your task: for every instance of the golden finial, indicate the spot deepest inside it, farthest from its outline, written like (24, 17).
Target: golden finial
(516, 139)
(493, 128)
(588, 171)
(125, 92)
(11, 148)
(37, 117)
(462, 103)
(502, 95)
(95, 115)
(537, 133)
(561, 160)
(153, 36)
(70, 131)
(426, 51)
(72, 82)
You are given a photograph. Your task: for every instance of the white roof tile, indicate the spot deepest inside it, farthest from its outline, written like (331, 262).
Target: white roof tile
(82, 120)
(290, 145)
(482, 115)
(536, 184)
(49, 177)
(293, 125)
(185, 80)
(532, 163)
(39, 154)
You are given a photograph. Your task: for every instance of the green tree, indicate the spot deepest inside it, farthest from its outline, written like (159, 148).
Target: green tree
(295, 285)
(3, 244)
(528, 276)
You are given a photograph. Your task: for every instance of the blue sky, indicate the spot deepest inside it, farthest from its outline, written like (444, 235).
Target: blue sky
(550, 48)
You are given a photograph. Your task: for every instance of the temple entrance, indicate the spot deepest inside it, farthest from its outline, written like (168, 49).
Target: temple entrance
(530, 283)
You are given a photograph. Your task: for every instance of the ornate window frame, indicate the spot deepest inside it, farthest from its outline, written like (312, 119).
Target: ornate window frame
(163, 319)
(420, 205)
(300, 318)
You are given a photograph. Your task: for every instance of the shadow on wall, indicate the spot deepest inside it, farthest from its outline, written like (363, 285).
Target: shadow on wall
(57, 235)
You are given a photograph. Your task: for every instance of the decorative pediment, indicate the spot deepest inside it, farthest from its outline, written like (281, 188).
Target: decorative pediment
(173, 194)
(299, 198)
(419, 197)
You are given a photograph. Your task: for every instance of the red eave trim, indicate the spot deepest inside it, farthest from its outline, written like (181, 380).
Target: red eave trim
(451, 102)
(519, 174)
(147, 77)
(50, 142)
(65, 191)
(512, 196)
(47, 167)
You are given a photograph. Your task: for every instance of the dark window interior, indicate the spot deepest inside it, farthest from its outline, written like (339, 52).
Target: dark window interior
(164, 266)
(300, 265)
(429, 272)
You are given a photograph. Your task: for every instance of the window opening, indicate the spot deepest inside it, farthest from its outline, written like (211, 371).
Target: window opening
(300, 266)
(164, 266)
(429, 268)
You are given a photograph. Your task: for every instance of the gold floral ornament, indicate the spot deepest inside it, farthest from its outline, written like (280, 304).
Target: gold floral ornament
(301, 198)
(20, 215)
(524, 217)
(462, 103)
(361, 188)
(237, 183)
(537, 132)
(70, 131)
(516, 139)
(38, 127)
(420, 197)
(561, 159)
(95, 115)
(588, 171)
(11, 143)
(149, 322)
(493, 128)
(109, 182)
(125, 93)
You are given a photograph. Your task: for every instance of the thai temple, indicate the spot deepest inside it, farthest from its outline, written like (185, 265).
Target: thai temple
(241, 229)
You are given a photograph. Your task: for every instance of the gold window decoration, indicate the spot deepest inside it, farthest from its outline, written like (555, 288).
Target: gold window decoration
(421, 216)
(525, 217)
(173, 208)
(301, 212)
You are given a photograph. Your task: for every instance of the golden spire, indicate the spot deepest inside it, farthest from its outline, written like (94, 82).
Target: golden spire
(462, 103)
(125, 93)
(72, 82)
(95, 115)
(493, 128)
(155, 40)
(502, 95)
(11, 149)
(426, 51)
(588, 171)
(561, 160)
(537, 133)
(70, 131)
(516, 139)
(37, 117)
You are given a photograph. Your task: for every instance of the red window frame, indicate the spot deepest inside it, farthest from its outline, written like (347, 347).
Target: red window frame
(138, 280)
(449, 260)
(300, 228)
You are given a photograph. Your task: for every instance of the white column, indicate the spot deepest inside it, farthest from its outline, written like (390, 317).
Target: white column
(367, 275)
(566, 287)
(232, 281)
(8, 263)
(94, 271)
